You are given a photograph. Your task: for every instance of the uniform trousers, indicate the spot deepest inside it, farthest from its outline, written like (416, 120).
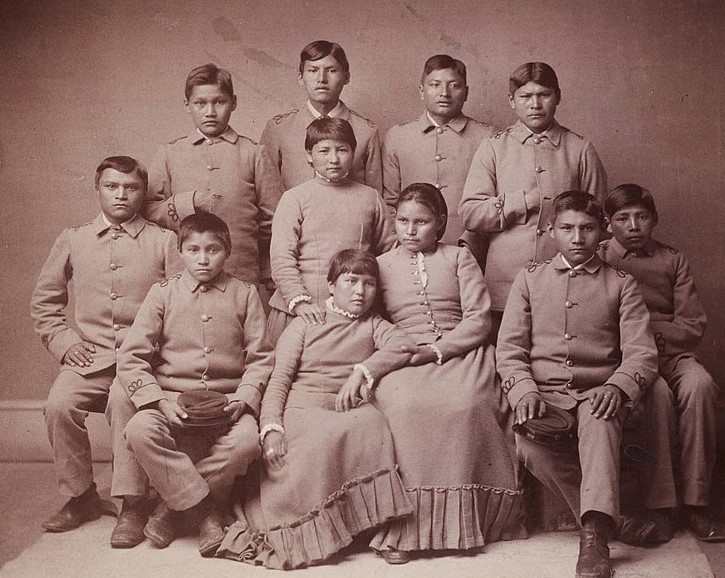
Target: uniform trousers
(585, 473)
(70, 399)
(185, 469)
(696, 398)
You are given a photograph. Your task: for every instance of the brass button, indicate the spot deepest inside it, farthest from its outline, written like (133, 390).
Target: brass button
(439, 186)
(203, 288)
(114, 266)
(539, 232)
(568, 304)
(572, 273)
(439, 130)
(114, 296)
(116, 327)
(204, 377)
(209, 168)
(537, 140)
(438, 158)
(538, 170)
(208, 349)
(569, 362)
(114, 236)
(567, 336)
(205, 318)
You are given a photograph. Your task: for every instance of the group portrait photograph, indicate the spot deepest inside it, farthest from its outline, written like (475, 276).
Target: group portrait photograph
(404, 288)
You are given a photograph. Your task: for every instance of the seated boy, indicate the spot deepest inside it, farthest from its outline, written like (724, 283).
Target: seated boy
(112, 261)
(575, 334)
(515, 176)
(678, 323)
(215, 170)
(438, 147)
(201, 330)
(324, 72)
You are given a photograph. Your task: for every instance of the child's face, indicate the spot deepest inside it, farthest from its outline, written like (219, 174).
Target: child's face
(354, 293)
(203, 255)
(534, 105)
(121, 195)
(577, 235)
(210, 109)
(417, 226)
(632, 226)
(331, 158)
(323, 80)
(444, 92)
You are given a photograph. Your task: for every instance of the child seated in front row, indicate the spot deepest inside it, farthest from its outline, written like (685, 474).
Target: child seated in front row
(318, 218)
(575, 334)
(678, 322)
(202, 329)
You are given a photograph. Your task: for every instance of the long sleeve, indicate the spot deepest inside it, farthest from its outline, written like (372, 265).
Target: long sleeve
(287, 360)
(172, 258)
(161, 205)
(475, 325)
(388, 355)
(373, 164)
(271, 143)
(284, 251)
(50, 299)
(391, 171)
(384, 236)
(269, 189)
(259, 355)
(593, 177)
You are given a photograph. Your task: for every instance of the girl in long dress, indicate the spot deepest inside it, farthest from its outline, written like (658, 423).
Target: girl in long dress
(449, 418)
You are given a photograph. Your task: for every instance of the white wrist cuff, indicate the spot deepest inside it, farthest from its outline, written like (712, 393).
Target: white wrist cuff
(268, 428)
(438, 353)
(295, 300)
(366, 372)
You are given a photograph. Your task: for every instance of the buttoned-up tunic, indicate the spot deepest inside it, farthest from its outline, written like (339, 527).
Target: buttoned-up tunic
(508, 196)
(284, 137)
(112, 269)
(230, 176)
(565, 331)
(190, 335)
(423, 152)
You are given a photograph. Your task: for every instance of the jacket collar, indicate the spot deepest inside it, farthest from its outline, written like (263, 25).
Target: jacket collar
(591, 266)
(457, 124)
(522, 134)
(621, 251)
(132, 227)
(220, 281)
(229, 135)
(340, 111)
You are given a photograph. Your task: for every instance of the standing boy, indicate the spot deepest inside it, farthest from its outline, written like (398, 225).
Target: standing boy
(678, 322)
(215, 170)
(575, 335)
(438, 147)
(200, 331)
(324, 72)
(515, 176)
(113, 261)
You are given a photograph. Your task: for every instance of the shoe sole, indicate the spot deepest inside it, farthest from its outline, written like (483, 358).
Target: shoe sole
(60, 529)
(159, 543)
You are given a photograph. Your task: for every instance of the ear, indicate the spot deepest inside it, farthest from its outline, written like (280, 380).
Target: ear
(442, 220)
(234, 102)
(299, 79)
(608, 224)
(511, 102)
(421, 91)
(309, 158)
(186, 105)
(331, 287)
(550, 228)
(465, 98)
(347, 78)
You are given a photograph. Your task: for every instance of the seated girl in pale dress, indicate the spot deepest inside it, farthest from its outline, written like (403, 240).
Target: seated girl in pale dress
(450, 421)
(329, 471)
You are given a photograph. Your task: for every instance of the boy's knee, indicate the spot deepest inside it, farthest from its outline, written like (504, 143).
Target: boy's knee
(137, 430)
(60, 402)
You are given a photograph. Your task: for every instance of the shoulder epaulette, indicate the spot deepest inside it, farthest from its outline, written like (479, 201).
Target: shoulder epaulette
(162, 229)
(371, 124)
(177, 139)
(165, 282)
(534, 266)
(500, 133)
(580, 137)
(480, 122)
(79, 227)
(278, 118)
(617, 270)
(254, 142)
(666, 246)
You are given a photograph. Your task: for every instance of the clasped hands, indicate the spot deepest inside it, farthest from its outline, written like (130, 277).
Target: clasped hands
(604, 401)
(175, 415)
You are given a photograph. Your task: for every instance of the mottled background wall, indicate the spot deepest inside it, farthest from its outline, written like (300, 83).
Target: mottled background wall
(83, 79)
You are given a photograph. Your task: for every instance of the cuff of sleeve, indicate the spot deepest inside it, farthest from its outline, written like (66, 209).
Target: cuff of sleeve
(369, 379)
(249, 395)
(632, 386)
(268, 428)
(439, 355)
(144, 394)
(516, 388)
(515, 207)
(295, 300)
(184, 204)
(61, 342)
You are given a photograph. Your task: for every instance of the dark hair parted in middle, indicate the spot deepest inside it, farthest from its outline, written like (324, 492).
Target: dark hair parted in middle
(442, 62)
(318, 49)
(538, 72)
(328, 127)
(209, 74)
(430, 197)
(580, 202)
(628, 195)
(125, 165)
(205, 223)
(353, 261)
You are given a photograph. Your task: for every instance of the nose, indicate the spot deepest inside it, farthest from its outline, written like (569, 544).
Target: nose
(358, 288)
(210, 109)
(536, 101)
(633, 224)
(322, 76)
(121, 193)
(577, 238)
(334, 157)
(445, 90)
(411, 230)
(203, 258)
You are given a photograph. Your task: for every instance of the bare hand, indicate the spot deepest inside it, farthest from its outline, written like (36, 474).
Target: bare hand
(530, 406)
(274, 449)
(605, 401)
(172, 412)
(349, 395)
(420, 354)
(236, 409)
(79, 354)
(312, 314)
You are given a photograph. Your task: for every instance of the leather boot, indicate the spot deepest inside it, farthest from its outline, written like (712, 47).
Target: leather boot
(593, 559)
(210, 522)
(76, 511)
(163, 526)
(129, 530)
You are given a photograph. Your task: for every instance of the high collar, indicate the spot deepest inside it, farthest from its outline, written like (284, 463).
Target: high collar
(457, 124)
(340, 111)
(330, 304)
(521, 133)
(591, 266)
(621, 251)
(132, 227)
(220, 281)
(229, 135)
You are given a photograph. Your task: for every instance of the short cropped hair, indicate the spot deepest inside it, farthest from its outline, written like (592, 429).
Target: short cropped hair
(538, 72)
(318, 49)
(328, 127)
(209, 74)
(353, 261)
(205, 223)
(430, 197)
(442, 62)
(627, 195)
(126, 165)
(580, 202)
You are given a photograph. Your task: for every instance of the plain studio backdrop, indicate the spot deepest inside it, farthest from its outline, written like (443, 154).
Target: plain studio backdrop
(85, 79)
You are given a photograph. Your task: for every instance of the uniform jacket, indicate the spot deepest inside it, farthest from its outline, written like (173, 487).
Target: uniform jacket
(567, 331)
(508, 195)
(284, 137)
(421, 152)
(677, 317)
(230, 176)
(190, 335)
(111, 269)
(314, 221)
